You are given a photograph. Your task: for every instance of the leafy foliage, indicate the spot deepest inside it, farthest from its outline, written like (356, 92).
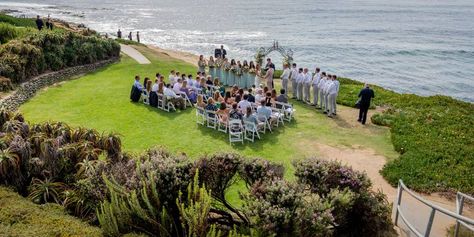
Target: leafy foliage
(432, 134)
(39, 51)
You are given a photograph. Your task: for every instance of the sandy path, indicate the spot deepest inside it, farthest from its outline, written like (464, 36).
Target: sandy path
(133, 53)
(365, 159)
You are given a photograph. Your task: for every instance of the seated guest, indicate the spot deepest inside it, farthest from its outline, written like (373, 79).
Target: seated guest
(241, 93)
(259, 97)
(234, 91)
(145, 82)
(265, 90)
(263, 111)
(160, 88)
(243, 104)
(157, 76)
(148, 86)
(211, 106)
(177, 86)
(153, 94)
(250, 117)
(268, 99)
(250, 97)
(274, 95)
(218, 97)
(237, 98)
(217, 83)
(161, 79)
(190, 93)
(282, 98)
(228, 99)
(235, 113)
(200, 102)
(209, 81)
(223, 113)
(177, 100)
(136, 91)
(190, 81)
(171, 77)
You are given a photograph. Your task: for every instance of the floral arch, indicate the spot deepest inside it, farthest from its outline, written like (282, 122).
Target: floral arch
(263, 52)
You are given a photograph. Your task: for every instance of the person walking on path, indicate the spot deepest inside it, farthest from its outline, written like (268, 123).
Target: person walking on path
(39, 23)
(119, 34)
(138, 36)
(130, 36)
(365, 96)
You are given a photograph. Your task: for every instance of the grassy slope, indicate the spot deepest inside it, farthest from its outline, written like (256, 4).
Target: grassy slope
(21, 217)
(101, 100)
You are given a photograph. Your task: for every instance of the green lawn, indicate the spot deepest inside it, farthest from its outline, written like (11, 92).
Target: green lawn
(100, 100)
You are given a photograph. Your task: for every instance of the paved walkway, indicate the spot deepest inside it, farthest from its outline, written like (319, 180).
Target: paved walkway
(133, 53)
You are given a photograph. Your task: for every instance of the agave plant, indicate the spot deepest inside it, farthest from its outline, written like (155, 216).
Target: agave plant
(10, 164)
(17, 127)
(84, 167)
(42, 191)
(113, 145)
(4, 116)
(78, 204)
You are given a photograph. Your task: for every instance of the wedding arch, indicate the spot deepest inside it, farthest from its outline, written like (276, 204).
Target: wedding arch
(263, 52)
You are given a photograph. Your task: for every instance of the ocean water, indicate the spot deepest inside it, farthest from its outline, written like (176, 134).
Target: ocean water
(412, 46)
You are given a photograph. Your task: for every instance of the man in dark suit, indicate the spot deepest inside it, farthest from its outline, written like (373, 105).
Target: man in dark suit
(39, 23)
(269, 64)
(218, 53)
(365, 96)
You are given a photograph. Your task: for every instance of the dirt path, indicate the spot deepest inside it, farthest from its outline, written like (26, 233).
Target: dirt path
(365, 159)
(133, 53)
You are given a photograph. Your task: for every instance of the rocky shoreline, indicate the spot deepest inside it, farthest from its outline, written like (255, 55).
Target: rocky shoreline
(28, 89)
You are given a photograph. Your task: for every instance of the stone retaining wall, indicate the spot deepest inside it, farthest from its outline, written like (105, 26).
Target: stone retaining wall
(28, 89)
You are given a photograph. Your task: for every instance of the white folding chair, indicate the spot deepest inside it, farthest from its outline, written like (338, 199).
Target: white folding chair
(236, 133)
(200, 116)
(288, 110)
(187, 101)
(278, 115)
(145, 97)
(165, 104)
(250, 130)
(263, 121)
(222, 125)
(211, 119)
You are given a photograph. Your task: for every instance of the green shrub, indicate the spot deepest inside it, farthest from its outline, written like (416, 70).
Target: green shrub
(23, 22)
(52, 50)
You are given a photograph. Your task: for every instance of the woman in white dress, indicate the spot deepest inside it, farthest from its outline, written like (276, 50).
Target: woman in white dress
(202, 64)
(258, 76)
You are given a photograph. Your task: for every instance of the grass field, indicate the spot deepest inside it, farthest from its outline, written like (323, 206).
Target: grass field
(100, 100)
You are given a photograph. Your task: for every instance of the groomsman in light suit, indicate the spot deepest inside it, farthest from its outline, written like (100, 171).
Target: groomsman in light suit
(299, 84)
(285, 76)
(321, 85)
(306, 85)
(293, 77)
(315, 82)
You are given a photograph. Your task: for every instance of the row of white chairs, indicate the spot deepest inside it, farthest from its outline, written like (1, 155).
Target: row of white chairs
(245, 130)
(163, 102)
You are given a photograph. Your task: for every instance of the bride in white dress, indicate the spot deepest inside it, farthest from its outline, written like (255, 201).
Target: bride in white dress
(258, 76)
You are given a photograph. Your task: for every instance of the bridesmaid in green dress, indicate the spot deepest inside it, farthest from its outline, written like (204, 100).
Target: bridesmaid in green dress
(233, 69)
(245, 74)
(239, 75)
(212, 68)
(227, 67)
(251, 78)
(218, 69)
(202, 64)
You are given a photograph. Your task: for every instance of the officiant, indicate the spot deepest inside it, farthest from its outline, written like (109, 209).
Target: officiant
(220, 53)
(269, 64)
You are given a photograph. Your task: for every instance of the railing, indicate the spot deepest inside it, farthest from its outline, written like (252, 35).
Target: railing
(399, 214)
(460, 197)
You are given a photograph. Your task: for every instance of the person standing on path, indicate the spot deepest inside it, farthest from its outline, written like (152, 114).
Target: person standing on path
(119, 34)
(285, 76)
(138, 36)
(130, 36)
(365, 96)
(39, 22)
(315, 82)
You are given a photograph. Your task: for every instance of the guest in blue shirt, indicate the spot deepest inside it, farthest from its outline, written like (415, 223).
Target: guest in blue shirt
(211, 106)
(263, 111)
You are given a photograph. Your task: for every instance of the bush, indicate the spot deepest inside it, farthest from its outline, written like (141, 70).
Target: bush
(256, 170)
(9, 32)
(40, 51)
(23, 22)
(432, 134)
(5, 84)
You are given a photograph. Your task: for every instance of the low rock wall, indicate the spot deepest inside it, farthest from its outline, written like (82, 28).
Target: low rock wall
(28, 89)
